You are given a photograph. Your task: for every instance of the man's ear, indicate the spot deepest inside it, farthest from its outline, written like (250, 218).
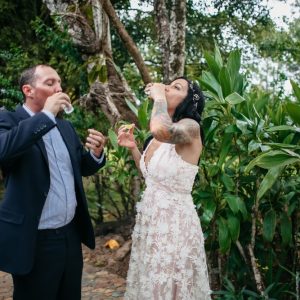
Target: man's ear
(27, 90)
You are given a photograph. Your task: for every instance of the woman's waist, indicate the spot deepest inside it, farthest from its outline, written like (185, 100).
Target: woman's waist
(170, 186)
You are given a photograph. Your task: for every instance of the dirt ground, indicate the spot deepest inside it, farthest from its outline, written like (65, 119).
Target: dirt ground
(104, 270)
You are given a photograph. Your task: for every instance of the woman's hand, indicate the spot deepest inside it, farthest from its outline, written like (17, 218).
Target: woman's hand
(155, 91)
(126, 137)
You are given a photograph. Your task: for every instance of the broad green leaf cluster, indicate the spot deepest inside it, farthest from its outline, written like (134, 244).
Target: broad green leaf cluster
(248, 188)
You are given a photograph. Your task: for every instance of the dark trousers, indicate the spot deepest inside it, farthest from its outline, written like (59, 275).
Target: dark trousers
(57, 270)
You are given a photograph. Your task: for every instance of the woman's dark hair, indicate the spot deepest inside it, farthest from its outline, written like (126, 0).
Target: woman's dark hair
(191, 107)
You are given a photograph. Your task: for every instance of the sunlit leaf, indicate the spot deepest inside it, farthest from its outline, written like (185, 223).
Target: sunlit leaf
(212, 64)
(211, 95)
(132, 107)
(113, 138)
(283, 146)
(253, 146)
(218, 57)
(228, 182)
(234, 99)
(233, 65)
(225, 81)
(102, 73)
(271, 159)
(294, 112)
(143, 115)
(283, 128)
(268, 181)
(210, 82)
(296, 89)
(209, 208)
(233, 202)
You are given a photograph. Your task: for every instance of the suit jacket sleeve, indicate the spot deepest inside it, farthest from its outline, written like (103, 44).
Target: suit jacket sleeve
(17, 137)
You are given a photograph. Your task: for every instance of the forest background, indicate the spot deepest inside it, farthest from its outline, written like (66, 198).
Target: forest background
(248, 189)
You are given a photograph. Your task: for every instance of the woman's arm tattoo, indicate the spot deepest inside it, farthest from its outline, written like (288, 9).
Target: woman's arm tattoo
(164, 129)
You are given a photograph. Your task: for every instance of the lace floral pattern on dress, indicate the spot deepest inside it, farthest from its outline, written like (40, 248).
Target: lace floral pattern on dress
(167, 260)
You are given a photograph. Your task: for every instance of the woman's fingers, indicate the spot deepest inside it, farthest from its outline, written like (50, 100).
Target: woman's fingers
(126, 128)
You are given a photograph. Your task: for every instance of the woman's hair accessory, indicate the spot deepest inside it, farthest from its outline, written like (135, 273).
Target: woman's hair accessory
(196, 96)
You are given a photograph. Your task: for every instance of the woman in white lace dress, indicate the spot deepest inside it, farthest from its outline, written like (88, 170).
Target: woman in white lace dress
(168, 259)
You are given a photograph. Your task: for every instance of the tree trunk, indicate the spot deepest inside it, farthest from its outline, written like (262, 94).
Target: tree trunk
(163, 32)
(177, 38)
(128, 41)
(170, 26)
(95, 44)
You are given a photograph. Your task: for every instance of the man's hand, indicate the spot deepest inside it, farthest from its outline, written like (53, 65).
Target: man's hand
(95, 142)
(57, 102)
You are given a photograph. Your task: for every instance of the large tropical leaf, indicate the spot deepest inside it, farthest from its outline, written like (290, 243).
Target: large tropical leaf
(225, 147)
(218, 57)
(210, 82)
(209, 208)
(236, 204)
(234, 99)
(294, 112)
(234, 227)
(132, 107)
(283, 128)
(143, 115)
(212, 64)
(233, 66)
(285, 228)
(224, 237)
(296, 89)
(233, 202)
(274, 158)
(268, 181)
(113, 138)
(225, 81)
(269, 225)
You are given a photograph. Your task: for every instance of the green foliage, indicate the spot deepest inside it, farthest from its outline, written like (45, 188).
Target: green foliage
(250, 159)
(120, 178)
(251, 153)
(65, 58)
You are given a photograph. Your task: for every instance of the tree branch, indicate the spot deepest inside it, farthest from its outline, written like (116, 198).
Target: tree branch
(128, 41)
(251, 246)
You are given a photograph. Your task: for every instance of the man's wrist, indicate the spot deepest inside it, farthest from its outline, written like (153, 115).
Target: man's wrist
(49, 114)
(97, 159)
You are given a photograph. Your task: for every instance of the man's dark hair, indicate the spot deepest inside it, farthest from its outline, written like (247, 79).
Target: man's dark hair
(28, 77)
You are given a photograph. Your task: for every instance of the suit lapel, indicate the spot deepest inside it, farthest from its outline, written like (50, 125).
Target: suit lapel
(67, 137)
(22, 115)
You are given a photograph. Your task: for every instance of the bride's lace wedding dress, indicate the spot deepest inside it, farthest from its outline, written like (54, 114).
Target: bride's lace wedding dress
(168, 260)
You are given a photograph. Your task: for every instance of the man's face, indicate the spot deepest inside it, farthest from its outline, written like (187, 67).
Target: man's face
(46, 83)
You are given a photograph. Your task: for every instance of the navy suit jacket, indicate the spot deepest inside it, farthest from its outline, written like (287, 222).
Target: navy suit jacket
(24, 163)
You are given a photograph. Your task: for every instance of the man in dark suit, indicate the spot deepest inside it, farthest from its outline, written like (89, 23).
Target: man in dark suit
(44, 215)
